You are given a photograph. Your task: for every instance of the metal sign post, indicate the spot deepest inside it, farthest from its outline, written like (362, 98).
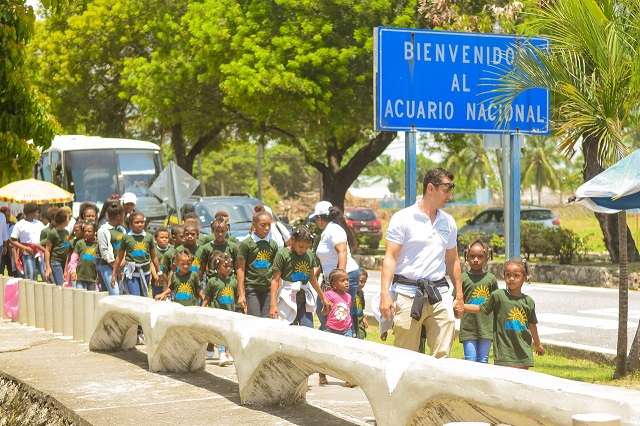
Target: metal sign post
(512, 219)
(410, 179)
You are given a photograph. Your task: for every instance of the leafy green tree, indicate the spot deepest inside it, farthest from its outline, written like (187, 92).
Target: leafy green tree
(24, 112)
(79, 59)
(540, 165)
(305, 79)
(593, 68)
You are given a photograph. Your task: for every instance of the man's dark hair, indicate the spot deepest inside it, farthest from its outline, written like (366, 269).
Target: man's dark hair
(434, 176)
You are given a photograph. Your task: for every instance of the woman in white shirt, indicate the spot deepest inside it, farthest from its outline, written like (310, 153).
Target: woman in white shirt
(334, 249)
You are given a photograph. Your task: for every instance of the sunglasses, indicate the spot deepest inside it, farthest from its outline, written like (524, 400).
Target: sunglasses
(450, 185)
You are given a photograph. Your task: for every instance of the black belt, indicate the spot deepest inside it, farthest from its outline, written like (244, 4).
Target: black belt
(424, 288)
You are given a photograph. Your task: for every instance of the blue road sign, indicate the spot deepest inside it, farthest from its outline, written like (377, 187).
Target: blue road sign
(437, 81)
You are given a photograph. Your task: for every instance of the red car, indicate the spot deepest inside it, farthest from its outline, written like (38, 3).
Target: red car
(365, 225)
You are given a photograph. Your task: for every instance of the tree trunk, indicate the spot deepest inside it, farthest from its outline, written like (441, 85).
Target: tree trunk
(623, 299)
(608, 222)
(337, 178)
(633, 360)
(180, 148)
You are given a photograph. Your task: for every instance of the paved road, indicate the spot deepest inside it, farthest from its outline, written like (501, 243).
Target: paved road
(581, 316)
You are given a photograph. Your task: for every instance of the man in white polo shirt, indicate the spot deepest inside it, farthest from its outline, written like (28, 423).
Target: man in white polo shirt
(421, 247)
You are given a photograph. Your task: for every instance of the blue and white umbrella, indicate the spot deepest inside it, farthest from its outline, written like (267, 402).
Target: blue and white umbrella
(615, 189)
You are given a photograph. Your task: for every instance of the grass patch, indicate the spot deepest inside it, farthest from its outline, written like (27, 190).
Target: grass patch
(551, 363)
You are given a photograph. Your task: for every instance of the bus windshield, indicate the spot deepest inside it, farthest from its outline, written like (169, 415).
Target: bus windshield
(94, 175)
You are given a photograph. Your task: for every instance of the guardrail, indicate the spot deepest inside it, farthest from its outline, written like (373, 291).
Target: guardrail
(273, 362)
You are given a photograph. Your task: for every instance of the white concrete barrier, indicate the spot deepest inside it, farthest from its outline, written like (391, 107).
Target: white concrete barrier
(67, 311)
(597, 419)
(273, 362)
(22, 302)
(56, 305)
(31, 303)
(47, 293)
(38, 291)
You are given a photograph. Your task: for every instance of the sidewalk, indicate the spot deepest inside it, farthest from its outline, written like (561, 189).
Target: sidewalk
(117, 388)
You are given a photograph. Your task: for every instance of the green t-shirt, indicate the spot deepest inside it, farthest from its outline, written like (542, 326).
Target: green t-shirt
(200, 257)
(222, 293)
(59, 239)
(87, 255)
(512, 338)
(139, 249)
(185, 288)
(166, 263)
(259, 258)
(358, 311)
(230, 248)
(476, 289)
(162, 253)
(294, 267)
(116, 235)
(44, 234)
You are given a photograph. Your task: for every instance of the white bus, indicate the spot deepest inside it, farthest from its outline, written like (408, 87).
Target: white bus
(94, 168)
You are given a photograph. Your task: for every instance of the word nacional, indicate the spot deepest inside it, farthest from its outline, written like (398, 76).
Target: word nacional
(490, 112)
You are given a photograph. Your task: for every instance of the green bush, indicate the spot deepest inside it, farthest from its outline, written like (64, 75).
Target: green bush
(532, 239)
(564, 245)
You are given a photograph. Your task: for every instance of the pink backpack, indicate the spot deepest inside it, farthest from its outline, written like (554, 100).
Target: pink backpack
(11, 298)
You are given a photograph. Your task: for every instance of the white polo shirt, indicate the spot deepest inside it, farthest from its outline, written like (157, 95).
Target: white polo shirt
(423, 245)
(27, 232)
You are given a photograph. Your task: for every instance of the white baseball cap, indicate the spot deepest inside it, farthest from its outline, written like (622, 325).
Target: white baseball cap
(322, 208)
(128, 197)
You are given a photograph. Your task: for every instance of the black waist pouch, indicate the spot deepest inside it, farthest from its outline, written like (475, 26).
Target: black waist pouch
(425, 288)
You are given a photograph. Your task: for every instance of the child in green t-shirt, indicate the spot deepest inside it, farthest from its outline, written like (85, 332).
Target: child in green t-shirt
(220, 292)
(85, 274)
(185, 283)
(291, 297)
(161, 236)
(476, 331)
(515, 317)
(57, 249)
(359, 305)
(255, 258)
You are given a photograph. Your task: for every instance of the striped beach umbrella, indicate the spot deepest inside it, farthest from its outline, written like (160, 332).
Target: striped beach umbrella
(34, 191)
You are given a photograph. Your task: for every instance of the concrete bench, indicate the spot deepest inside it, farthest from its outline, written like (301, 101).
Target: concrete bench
(273, 362)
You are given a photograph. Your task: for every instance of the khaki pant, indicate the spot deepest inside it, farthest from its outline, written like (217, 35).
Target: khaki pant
(438, 320)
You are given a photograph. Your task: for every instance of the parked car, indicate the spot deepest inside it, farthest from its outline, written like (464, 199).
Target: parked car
(491, 220)
(240, 209)
(365, 225)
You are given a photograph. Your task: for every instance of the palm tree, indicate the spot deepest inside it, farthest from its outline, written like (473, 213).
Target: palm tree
(593, 69)
(468, 160)
(540, 165)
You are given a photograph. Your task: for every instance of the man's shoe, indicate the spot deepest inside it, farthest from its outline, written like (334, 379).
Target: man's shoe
(224, 360)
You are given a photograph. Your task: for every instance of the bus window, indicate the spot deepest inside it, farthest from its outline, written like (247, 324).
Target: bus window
(56, 169)
(137, 170)
(91, 175)
(44, 168)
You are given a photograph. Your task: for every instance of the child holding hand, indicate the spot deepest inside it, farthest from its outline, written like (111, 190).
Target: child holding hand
(515, 318)
(338, 311)
(86, 276)
(476, 331)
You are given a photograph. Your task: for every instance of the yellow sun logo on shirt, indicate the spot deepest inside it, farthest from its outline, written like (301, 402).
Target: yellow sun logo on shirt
(227, 292)
(481, 291)
(302, 267)
(119, 237)
(184, 288)
(91, 251)
(518, 314)
(263, 255)
(195, 263)
(140, 246)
